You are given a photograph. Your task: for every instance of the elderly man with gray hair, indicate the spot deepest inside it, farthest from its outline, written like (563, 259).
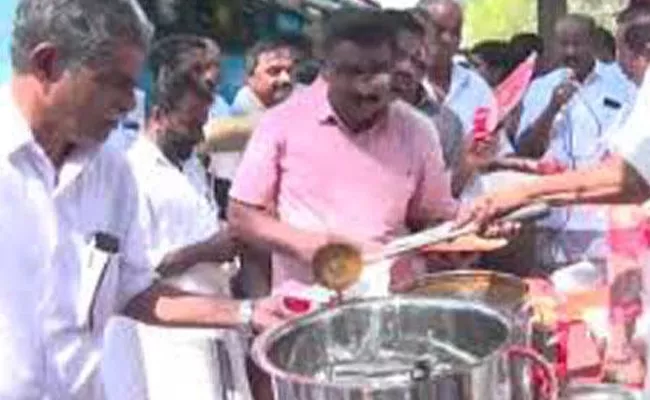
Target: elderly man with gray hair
(73, 246)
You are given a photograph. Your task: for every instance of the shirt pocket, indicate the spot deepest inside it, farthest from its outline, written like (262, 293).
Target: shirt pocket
(99, 285)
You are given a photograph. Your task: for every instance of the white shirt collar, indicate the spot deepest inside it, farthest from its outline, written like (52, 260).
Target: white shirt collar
(149, 151)
(598, 71)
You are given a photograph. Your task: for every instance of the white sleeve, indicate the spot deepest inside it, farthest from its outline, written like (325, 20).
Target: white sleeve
(137, 269)
(633, 141)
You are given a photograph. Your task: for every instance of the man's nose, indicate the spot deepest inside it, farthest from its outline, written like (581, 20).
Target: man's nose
(284, 77)
(570, 51)
(373, 83)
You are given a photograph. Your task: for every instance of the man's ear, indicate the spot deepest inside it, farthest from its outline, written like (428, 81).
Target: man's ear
(45, 62)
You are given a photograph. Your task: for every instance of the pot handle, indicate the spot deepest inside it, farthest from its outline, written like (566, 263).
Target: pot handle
(540, 361)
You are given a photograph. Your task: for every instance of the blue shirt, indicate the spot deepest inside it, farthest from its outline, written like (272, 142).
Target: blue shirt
(577, 137)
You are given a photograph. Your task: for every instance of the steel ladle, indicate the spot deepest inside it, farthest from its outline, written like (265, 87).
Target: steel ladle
(337, 266)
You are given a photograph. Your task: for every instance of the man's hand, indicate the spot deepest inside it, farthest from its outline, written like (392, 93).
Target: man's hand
(451, 260)
(309, 244)
(269, 312)
(487, 208)
(479, 154)
(564, 93)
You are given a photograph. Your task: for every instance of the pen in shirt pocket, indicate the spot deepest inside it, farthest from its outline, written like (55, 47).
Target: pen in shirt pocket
(103, 249)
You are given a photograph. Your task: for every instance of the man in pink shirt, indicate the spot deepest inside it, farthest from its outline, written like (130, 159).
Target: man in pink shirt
(340, 160)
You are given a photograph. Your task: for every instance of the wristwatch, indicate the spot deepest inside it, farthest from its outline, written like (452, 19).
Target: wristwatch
(246, 308)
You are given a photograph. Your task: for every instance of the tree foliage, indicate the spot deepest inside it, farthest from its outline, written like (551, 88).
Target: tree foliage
(498, 19)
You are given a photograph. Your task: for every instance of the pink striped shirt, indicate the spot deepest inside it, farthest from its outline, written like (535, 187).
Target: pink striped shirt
(320, 177)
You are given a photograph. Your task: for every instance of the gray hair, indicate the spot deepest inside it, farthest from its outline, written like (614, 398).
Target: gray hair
(84, 31)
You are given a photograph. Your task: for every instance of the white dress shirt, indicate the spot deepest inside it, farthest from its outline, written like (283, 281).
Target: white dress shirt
(95, 193)
(633, 144)
(578, 139)
(178, 213)
(64, 279)
(27, 240)
(173, 362)
(198, 177)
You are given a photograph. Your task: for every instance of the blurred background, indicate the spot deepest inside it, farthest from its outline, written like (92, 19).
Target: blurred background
(236, 24)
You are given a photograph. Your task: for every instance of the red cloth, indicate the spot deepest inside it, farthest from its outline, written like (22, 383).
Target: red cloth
(507, 96)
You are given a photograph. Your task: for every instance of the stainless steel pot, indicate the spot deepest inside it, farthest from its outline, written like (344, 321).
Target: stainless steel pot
(600, 392)
(503, 292)
(398, 348)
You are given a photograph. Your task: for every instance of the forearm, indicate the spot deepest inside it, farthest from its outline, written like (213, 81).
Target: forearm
(535, 140)
(219, 248)
(461, 177)
(513, 163)
(260, 229)
(163, 305)
(228, 134)
(610, 182)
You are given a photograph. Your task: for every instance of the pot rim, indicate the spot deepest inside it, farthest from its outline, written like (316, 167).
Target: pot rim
(604, 388)
(406, 287)
(269, 337)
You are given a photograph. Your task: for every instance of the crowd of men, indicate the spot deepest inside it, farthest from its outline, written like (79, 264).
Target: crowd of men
(196, 213)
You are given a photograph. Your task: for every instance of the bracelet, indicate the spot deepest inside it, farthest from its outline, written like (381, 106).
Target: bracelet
(246, 310)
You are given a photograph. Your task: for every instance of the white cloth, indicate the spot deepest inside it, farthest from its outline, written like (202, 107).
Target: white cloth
(167, 363)
(178, 213)
(633, 144)
(198, 177)
(93, 192)
(27, 240)
(171, 360)
(578, 139)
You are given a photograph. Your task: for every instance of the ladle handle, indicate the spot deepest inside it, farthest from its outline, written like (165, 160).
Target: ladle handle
(413, 242)
(539, 361)
(529, 213)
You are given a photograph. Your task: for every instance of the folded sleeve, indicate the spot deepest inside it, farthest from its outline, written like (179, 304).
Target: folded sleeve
(258, 176)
